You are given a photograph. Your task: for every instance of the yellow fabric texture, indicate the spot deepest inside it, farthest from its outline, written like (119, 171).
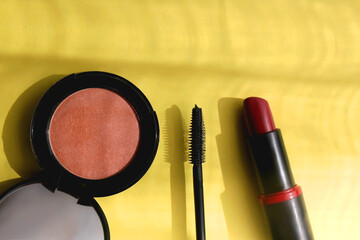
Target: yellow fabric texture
(302, 56)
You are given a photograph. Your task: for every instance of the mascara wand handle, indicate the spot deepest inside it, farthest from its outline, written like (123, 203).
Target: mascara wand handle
(199, 201)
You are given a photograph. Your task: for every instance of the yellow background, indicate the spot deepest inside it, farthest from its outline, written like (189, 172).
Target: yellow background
(302, 56)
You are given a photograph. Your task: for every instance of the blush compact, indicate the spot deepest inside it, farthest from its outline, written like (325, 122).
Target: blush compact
(94, 134)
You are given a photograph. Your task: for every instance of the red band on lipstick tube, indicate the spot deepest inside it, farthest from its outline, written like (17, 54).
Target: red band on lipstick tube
(267, 199)
(281, 198)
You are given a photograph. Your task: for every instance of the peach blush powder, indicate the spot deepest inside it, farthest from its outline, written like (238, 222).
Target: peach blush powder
(94, 133)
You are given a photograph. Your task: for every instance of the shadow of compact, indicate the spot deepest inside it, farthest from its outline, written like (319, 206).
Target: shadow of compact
(16, 131)
(243, 214)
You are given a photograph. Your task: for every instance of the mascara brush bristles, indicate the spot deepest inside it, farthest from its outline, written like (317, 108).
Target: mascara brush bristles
(197, 157)
(197, 136)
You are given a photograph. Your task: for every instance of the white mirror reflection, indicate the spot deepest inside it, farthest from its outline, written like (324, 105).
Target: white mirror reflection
(32, 212)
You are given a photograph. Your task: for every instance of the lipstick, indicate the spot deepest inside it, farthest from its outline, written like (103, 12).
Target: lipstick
(282, 199)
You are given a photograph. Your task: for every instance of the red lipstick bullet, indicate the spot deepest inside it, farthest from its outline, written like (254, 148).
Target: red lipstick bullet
(281, 197)
(258, 116)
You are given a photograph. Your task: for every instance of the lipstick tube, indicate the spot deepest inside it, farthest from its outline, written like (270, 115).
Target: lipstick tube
(282, 199)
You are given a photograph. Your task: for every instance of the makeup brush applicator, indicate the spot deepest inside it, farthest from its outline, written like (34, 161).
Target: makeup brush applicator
(197, 157)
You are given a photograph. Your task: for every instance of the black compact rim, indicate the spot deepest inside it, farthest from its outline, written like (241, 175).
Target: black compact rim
(90, 201)
(148, 142)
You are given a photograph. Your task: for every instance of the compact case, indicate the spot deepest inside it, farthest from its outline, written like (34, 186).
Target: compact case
(94, 134)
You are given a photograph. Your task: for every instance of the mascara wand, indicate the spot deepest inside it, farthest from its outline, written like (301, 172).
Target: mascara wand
(197, 157)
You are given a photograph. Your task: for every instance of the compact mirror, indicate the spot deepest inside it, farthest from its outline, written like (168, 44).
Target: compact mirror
(30, 211)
